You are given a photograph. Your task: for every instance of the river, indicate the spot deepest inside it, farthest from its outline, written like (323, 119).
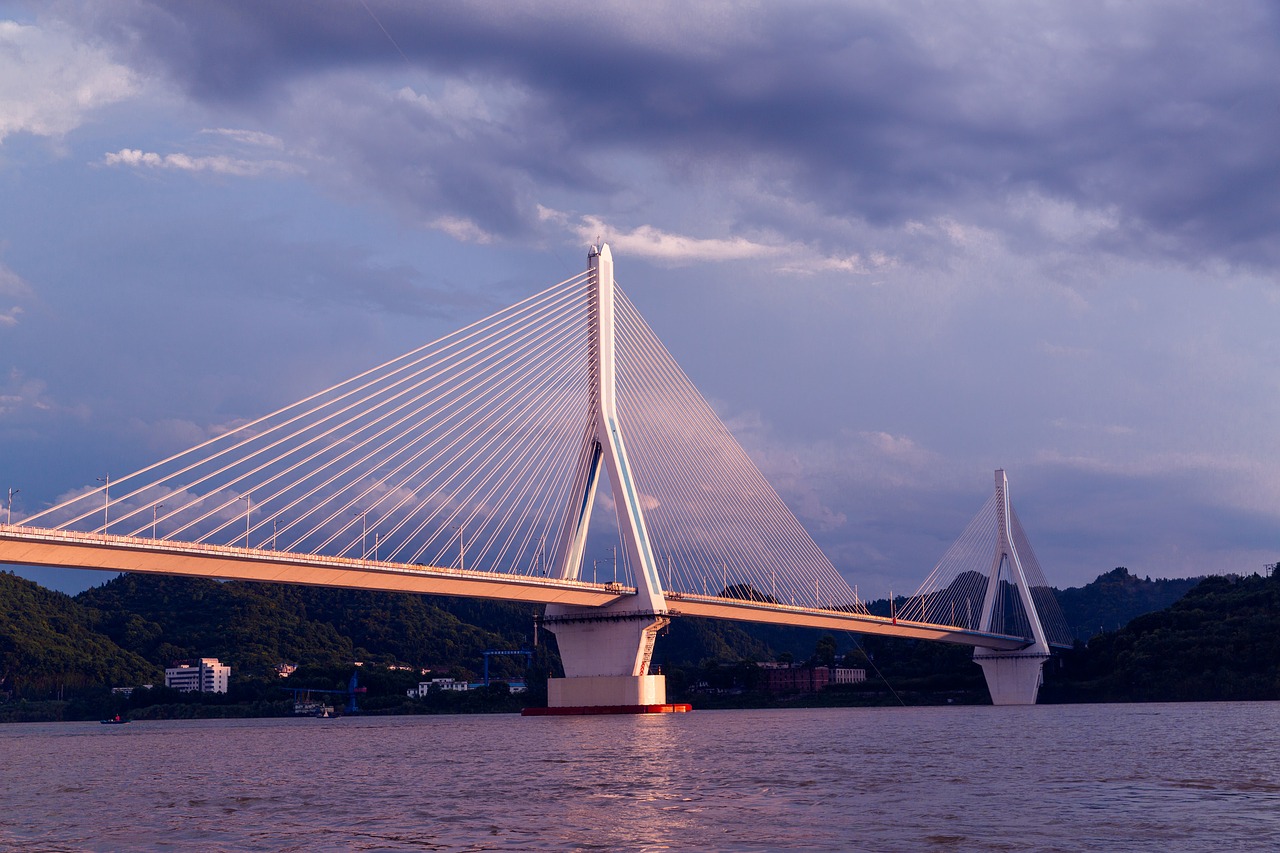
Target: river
(1079, 777)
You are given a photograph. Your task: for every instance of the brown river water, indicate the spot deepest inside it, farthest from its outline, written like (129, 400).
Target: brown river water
(1081, 777)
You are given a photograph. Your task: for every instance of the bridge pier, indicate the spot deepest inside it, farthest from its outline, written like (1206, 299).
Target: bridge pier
(1013, 678)
(606, 659)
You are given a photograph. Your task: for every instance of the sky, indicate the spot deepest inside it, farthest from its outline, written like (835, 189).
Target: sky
(896, 245)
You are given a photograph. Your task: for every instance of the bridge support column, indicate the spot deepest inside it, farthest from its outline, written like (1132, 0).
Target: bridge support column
(1013, 678)
(606, 652)
(606, 659)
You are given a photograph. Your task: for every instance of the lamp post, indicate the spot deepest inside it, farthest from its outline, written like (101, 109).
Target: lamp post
(462, 546)
(106, 499)
(364, 534)
(12, 492)
(154, 507)
(248, 505)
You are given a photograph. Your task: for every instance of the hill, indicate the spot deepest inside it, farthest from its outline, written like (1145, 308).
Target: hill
(48, 645)
(1113, 599)
(1221, 641)
(254, 626)
(124, 632)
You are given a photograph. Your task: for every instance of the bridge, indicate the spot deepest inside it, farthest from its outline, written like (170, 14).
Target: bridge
(473, 466)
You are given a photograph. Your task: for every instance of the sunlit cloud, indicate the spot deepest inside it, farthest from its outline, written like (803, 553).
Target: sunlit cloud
(645, 241)
(50, 81)
(246, 137)
(217, 164)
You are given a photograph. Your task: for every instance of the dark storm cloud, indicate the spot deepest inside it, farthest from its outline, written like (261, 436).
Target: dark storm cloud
(1161, 118)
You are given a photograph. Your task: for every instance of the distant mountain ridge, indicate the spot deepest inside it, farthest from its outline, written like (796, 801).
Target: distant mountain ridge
(124, 632)
(1114, 599)
(1221, 641)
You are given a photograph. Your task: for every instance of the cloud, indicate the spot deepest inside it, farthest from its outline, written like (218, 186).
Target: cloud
(218, 164)
(460, 229)
(50, 82)
(20, 392)
(12, 285)
(247, 137)
(672, 249)
(1098, 129)
(646, 241)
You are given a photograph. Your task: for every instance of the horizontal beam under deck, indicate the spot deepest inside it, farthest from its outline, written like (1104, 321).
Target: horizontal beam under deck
(26, 546)
(801, 617)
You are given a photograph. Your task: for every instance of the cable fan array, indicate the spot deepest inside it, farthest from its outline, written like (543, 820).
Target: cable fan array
(462, 453)
(955, 591)
(715, 524)
(453, 454)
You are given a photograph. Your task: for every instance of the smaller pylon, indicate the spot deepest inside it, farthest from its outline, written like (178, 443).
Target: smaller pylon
(1013, 678)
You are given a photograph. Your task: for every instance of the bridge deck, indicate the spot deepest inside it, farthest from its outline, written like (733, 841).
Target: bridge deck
(67, 549)
(835, 620)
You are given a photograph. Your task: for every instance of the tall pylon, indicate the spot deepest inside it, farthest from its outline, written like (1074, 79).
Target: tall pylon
(606, 652)
(1013, 678)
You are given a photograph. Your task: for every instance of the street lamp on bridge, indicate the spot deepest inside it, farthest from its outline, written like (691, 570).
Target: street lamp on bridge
(106, 498)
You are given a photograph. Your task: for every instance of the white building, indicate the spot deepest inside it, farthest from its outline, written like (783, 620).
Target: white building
(198, 675)
(848, 675)
(425, 687)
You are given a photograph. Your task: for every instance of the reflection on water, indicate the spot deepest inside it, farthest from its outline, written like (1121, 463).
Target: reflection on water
(1088, 777)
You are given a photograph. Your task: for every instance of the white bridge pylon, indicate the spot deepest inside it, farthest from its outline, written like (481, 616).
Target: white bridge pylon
(990, 580)
(606, 652)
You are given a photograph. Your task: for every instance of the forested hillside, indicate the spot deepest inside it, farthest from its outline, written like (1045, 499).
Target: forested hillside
(1218, 641)
(48, 645)
(1113, 599)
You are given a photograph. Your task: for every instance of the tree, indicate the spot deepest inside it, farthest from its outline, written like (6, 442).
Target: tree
(824, 652)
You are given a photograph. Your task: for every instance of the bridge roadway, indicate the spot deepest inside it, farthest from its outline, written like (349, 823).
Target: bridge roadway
(30, 546)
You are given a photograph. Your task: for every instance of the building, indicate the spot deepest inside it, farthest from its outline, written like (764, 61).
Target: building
(128, 691)
(436, 684)
(848, 675)
(797, 679)
(198, 675)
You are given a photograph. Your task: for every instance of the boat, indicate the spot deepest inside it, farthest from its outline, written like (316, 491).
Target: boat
(117, 720)
(312, 708)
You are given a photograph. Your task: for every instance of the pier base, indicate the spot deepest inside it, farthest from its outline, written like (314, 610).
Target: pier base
(607, 694)
(598, 690)
(1013, 678)
(595, 646)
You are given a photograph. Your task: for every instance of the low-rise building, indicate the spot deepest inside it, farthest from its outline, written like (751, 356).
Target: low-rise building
(128, 691)
(425, 687)
(848, 675)
(797, 679)
(198, 675)
(800, 678)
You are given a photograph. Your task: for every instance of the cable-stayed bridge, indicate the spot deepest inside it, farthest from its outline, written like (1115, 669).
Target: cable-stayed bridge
(472, 466)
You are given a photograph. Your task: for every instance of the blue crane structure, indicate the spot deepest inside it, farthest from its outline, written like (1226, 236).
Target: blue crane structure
(527, 653)
(352, 689)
